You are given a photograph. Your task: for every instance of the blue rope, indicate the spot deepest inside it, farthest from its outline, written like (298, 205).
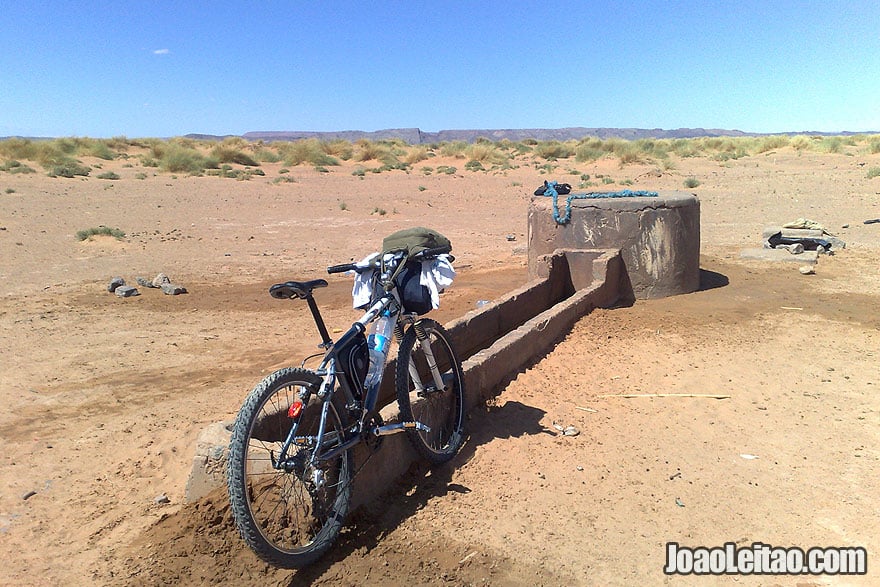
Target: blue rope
(551, 191)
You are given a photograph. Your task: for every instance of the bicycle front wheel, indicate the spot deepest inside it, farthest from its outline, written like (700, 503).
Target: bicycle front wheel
(425, 354)
(288, 509)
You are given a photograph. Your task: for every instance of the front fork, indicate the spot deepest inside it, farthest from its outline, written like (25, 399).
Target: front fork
(425, 344)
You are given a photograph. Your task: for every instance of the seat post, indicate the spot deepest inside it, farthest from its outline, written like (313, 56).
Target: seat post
(319, 321)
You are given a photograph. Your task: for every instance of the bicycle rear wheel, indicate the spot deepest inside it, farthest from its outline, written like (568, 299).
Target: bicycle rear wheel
(421, 400)
(288, 513)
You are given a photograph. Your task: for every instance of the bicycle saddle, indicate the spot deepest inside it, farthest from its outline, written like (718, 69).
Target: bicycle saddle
(295, 289)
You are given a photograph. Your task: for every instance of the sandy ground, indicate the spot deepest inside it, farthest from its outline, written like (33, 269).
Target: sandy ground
(103, 397)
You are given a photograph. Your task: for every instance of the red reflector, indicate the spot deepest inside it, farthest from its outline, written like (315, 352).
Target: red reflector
(295, 409)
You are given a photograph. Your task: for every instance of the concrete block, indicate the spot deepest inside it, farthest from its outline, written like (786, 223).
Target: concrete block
(209, 462)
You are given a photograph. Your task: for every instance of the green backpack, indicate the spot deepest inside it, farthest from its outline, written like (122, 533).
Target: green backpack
(414, 240)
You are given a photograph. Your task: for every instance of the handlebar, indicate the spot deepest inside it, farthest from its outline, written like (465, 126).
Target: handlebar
(341, 268)
(424, 254)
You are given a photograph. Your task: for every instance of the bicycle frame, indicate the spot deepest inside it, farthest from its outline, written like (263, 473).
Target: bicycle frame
(330, 368)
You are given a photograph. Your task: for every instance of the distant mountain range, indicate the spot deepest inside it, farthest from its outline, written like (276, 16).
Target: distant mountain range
(415, 136)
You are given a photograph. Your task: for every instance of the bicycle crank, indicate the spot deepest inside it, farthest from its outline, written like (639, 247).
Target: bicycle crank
(400, 427)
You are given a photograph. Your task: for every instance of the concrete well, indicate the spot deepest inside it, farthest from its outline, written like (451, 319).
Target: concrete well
(658, 237)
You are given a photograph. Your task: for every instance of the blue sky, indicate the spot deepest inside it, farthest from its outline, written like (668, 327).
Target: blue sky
(157, 69)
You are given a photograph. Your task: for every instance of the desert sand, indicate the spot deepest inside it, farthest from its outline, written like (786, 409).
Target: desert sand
(103, 397)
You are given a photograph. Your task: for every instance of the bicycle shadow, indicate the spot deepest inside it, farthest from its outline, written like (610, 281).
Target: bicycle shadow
(367, 526)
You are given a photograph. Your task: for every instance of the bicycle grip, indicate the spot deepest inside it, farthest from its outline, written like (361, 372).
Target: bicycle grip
(435, 252)
(341, 268)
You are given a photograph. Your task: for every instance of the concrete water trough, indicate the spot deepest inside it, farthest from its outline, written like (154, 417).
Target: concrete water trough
(495, 342)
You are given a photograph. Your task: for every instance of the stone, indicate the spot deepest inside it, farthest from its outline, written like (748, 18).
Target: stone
(144, 282)
(127, 291)
(171, 289)
(115, 283)
(160, 280)
(807, 270)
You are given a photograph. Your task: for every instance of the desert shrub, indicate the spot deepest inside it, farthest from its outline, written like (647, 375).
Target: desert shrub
(486, 152)
(68, 169)
(874, 145)
(416, 154)
(14, 166)
(108, 175)
(338, 148)
(427, 170)
(474, 165)
(873, 172)
(552, 150)
(629, 153)
(264, 155)
(359, 172)
(831, 145)
(178, 157)
(691, 182)
(102, 230)
(683, 148)
(521, 148)
(140, 176)
(367, 150)
(447, 169)
(454, 149)
(101, 150)
(228, 153)
(14, 149)
(305, 151)
(587, 152)
(800, 143)
(771, 143)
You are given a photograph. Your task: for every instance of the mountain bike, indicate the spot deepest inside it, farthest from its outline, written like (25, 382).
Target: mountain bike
(290, 461)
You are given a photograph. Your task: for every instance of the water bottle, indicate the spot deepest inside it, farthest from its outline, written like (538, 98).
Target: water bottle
(378, 342)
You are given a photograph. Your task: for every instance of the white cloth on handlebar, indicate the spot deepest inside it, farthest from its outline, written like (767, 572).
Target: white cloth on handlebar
(362, 290)
(437, 274)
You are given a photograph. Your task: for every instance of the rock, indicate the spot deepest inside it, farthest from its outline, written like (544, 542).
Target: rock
(807, 270)
(570, 431)
(127, 291)
(26, 496)
(144, 282)
(171, 289)
(160, 280)
(115, 283)
(511, 237)
(162, 499)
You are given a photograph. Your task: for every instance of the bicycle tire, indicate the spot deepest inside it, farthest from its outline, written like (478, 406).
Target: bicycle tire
(287, 518)
(441, 410)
